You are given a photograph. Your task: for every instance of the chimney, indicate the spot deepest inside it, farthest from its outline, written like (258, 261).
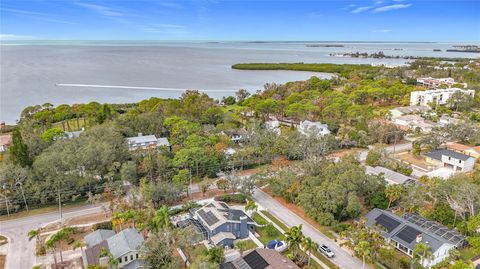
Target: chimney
(243, 227)
(140, 134)
(2, 124)
(419, 238)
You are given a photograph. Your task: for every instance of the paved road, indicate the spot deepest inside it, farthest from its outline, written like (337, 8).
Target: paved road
(342, 258)
(362, 155)
(21, 252)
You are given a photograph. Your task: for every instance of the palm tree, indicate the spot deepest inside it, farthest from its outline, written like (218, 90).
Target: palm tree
(63, 235)
(204, 186)
(51, 245)
(423, 251)
(251, 207)
(161, 219)
(78, 244)
(363, 249)
(241, 245)
(294, 238)
(308, 246)
(33, 233)
(393, 193)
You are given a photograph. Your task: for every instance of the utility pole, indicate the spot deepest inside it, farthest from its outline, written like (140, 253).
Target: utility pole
(60, 206)
(190, 185)
(23, 194)
(4, 187)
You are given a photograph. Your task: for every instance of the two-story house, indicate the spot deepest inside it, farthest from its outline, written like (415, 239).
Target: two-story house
(451, 159)
(123, 246)
(440, 96)
(405, 232)
(223, 224)
(146, 142)
(313, 128)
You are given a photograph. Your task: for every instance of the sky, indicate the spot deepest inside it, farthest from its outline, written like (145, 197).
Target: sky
(269, 20)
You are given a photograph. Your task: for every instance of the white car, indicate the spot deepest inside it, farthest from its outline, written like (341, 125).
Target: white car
(326, 251)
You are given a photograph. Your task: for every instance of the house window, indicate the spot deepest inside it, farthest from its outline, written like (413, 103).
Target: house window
(459, 161)
(125, 259)
(137, 256)
(449, 158)
(119, 260)
(131, 257)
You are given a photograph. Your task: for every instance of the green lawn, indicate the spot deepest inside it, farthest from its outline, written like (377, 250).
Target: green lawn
(275, 220)
(259, 219)
(320, 256)
(265, 236)
(250, 244)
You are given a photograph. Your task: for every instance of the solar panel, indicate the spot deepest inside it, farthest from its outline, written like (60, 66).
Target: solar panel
(387, 222)
(208, 217)
(408, 234)
(255, 261)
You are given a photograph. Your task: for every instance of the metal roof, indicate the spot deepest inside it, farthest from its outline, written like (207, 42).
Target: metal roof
(389, 175)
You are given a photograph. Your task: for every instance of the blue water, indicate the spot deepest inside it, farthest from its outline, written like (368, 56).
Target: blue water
(30, 70)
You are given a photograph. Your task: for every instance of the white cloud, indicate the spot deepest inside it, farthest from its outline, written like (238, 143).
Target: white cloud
(348, 7)
(15, 37)
(102, 10)
(360, 9)
(390, 7)
(314, 14)
(166, 29)
(382, 31)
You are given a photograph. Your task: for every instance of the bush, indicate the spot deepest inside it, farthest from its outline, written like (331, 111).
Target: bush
(232, 198)
(340, 227)
(270, 230)
(107, 225)
(41, 251)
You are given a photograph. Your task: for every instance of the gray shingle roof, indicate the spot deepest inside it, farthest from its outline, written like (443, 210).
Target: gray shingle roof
(437, 154)
(125, 241)
(98, 236)
(217, 213)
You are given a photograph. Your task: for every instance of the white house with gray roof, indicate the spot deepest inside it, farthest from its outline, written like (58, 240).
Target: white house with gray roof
(451, 159)
(123, 246)
(146, 142)
(407, 231)
(390, 176)
(223, 224)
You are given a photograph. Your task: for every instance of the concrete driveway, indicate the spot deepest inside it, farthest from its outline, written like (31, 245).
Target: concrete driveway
(342, 258)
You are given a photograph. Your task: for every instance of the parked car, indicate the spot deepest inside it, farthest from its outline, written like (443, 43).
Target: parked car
(326, 251)
(279, 246)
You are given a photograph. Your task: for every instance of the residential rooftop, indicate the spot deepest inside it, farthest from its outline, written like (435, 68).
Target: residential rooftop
(437, 154)
(261, 259)
(390, 176)
(413, 229)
